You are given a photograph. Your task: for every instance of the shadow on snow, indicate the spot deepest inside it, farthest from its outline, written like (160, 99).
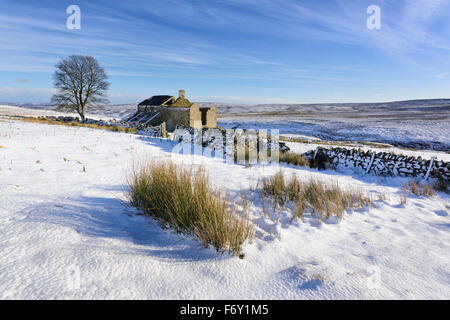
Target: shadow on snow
(109, 218)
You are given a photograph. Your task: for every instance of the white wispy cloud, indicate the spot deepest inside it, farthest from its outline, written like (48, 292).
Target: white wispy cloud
(231, 41)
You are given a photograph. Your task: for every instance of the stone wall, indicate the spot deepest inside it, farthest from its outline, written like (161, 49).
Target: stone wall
(383, 163)
(211, 117)
(220, 138)
(174, 117)
(195, 117)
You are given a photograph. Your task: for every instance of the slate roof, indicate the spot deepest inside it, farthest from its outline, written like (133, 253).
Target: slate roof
(155, 101)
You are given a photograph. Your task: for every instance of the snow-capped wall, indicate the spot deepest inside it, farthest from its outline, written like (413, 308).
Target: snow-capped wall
(383, 163)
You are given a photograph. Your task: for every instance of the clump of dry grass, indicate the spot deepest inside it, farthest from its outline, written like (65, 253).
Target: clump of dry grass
(319, 198)
(418, 189)
(284, 157)
(294, 159)
(275, 186)
(440, 184)
(185, 201)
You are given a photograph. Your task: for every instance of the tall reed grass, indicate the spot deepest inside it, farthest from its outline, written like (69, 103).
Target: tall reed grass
(185, 200)
(322, 199)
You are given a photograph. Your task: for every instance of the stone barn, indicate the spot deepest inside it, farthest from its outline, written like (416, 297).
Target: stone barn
(174, 112)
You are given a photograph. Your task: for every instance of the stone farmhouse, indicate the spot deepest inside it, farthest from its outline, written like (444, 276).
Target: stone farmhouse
(174, 112)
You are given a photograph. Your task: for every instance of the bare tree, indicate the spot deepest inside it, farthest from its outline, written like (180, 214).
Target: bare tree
(81, 83)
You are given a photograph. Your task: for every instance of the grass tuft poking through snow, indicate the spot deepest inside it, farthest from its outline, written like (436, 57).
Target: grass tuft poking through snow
(322, 199)
(294, 159)
(185, 200)
(288, 157)
(440, 184)
(418, 189)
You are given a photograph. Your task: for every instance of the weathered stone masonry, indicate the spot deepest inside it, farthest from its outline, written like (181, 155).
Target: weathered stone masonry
(384, 163)
(174, 113)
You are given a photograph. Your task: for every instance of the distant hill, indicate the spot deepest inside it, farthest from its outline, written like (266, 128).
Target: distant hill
(124, 110)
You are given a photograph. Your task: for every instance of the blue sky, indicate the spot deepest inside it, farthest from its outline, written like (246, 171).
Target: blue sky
(238, 51)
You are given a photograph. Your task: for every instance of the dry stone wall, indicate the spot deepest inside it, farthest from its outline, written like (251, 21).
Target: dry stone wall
(384, 163)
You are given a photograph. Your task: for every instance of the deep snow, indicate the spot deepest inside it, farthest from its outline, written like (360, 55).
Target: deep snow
(66, 233)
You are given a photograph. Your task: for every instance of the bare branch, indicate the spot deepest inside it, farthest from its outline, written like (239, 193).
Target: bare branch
(81, 83)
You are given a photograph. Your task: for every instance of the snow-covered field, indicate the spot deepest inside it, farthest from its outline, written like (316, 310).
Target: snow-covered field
(413, 124)
(418, 134)
(419, 124)
(65, 232)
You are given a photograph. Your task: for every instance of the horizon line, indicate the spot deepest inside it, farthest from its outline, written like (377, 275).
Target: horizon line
(247, 103)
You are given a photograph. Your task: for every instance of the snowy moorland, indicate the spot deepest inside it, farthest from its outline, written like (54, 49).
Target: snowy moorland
(66, 232)
(421, 124)
(418, 124)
